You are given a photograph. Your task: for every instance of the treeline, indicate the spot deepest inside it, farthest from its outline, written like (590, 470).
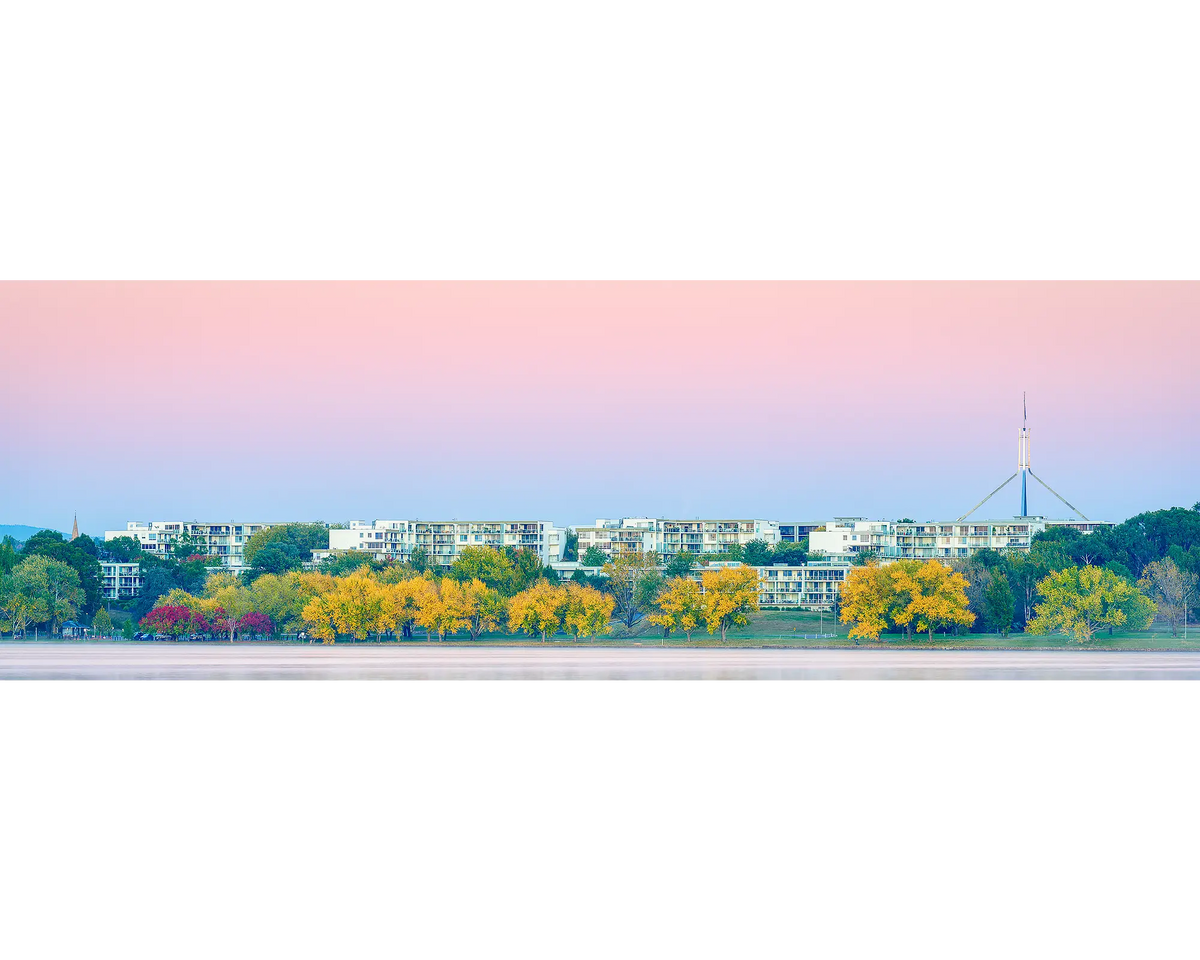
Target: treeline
(482, 591)
(47, 581)
(1115, 578)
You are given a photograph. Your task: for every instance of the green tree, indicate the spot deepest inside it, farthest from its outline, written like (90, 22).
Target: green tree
(292, 540)
(19, 605)
(1172, 589)
(102, 623)
(593, 556)
(1081, 600)
(680, 565)
(633, 581)
(571, 546)
(8, 555)
(419, 559)
(76, 555)
(999, 604)
(757, 553)
(54, 582)
(491, 566)
(124, 549)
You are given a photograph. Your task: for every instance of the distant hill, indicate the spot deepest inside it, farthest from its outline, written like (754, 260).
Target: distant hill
(19, 531)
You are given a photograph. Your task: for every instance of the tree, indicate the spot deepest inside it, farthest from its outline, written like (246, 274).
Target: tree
(226, 601)
(1173, 589)
(123, 549)
(730, 595)
(792, 554)
(280, 599)
(756, 553)
(487, 564)
(8, 555)
(936, 596)
(54, 582)
(593, 556)
(357, 603)
(866, 598)
(50, 544)
(527, 567)
(587, 611)
(538, 610)
(296, 540)
(633, 581)
(680, 607)
(680, 565)
(254, 624)
(402, 601)
(320, 617)
(484, 607)
(863, 558)
(443, 609)
(102, 623)
(419, 559)
(999, 603)
(19, 606)
(571, 546)
(172, 620)
(1080, 600)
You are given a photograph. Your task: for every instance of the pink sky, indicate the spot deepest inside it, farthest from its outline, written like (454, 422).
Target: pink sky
(570, 401)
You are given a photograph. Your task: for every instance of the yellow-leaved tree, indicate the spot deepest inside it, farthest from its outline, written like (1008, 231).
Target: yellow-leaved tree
(538, 610)
(484, 607)
(357, 604)
(680, 607)
(402, 603)
(937, 597)
(320, 617)
(588, 611)
(866, 598)
(1081, 600)
(443, 609)
(730, 596)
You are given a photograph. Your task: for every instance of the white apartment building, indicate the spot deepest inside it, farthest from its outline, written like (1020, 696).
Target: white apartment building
(668, 537)
(224, 539)
(793, 531)
(120, 580)
(444, 540)
(890, 540)
(814, 585)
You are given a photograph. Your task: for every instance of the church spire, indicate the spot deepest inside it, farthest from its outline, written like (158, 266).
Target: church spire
(75, 528)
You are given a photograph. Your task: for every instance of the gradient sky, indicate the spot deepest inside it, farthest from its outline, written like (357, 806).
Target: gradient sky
(571, 401)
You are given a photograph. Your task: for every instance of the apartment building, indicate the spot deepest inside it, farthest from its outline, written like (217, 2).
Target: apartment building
(891, 540)
(668, 537)
(120, 581)
(444, 540)
(814, 585)
(793, 531)
(225, 540)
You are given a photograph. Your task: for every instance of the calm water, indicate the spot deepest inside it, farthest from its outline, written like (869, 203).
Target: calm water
(216, 661)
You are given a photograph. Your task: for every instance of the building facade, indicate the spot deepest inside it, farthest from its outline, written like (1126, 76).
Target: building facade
(891, 540)
(668, 537)
(444, 540)
(225, 540)
(120, 581)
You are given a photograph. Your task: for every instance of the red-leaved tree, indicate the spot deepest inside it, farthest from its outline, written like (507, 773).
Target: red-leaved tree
(256, 624)
(172, 620)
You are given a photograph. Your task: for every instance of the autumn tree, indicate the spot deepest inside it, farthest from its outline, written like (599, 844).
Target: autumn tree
(538, 610)
(443, 609)
(402, 602)
(936, 597)
(1081, 600)
(866, 600)
(587, 611)
(485, 607)
(633, 581)
(680, 607)
(1172, 589)
(730, 596)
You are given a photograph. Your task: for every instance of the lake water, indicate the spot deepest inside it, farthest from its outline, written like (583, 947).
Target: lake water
(218, 661)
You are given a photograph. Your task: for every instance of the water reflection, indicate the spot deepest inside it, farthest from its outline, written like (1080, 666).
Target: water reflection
(270, 662)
